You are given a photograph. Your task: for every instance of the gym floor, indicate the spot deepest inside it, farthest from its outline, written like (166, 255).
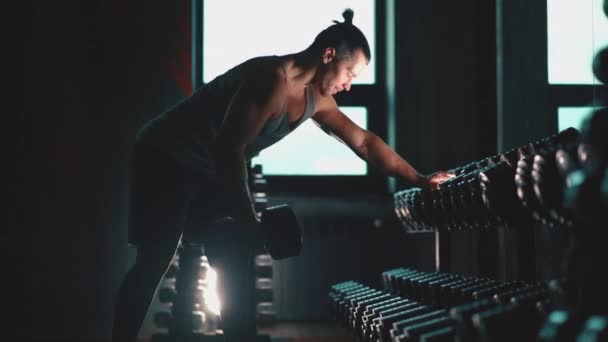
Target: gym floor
(306, 332)
(299, 332)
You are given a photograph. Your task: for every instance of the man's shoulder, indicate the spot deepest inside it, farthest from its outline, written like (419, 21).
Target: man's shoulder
(268, 72)
(270, 66)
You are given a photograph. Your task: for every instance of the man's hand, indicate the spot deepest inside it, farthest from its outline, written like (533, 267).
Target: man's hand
(434, 180)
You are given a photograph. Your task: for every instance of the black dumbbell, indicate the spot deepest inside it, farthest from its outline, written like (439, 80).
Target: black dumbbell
(387, 277)
(282, 233)
(495, 324)
(431, 289)
(340, 291)
(560, 325)
(462, 318)
(356, 313)
(439, 335)
(413, 331)
(372, 311)
(398, 327)
(595, 329)
(420, 286)
(385, 323)
(402, 282)
(393, 281)
(279, 232)
(351, 304)
(600, 61)
(343, 303)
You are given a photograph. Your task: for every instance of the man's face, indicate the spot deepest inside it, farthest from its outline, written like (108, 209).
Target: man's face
(338, 75)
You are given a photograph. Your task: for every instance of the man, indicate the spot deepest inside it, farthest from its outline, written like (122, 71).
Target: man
(203, 144)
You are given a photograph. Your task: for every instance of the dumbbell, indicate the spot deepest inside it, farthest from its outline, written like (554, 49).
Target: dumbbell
(390, 278)
(464, 294)
(548, 186)
(402, 282)
(463, 205)
(359, 305)
(439, 335)
(372, 311)
(560, 325)
(452, 294)
(357, 311)
(600, 61)
(351, 303)
(476, 211)
(339, 291)
(282, 233)
(398, 326)
(384, 324)
(373, 314)
(278, 232)
(413, 330)
(595, 329)
(499, 192)
(510, 322)
(489, 292)
(421, 285)
(432, 289)
(462, 315)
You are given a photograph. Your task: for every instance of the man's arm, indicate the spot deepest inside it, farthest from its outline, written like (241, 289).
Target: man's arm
(256, 100)
(372, 149)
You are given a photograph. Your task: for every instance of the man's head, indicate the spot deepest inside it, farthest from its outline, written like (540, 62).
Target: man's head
(344, 52)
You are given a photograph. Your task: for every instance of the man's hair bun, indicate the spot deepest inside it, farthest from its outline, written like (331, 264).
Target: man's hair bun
(348, 15)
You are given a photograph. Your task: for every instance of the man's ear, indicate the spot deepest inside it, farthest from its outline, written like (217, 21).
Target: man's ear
(329, 54)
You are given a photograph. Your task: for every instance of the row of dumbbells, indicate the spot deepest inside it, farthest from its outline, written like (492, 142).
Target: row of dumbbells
(509, 188)
(265, 312)
(434, 306)
(186, 291)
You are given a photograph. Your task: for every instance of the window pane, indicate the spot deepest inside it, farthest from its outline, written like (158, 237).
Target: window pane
(309, 151)
(571, 117)
(236, 30)
(576, 30)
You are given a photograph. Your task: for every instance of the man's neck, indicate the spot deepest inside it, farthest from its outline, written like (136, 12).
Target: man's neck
(302, 68)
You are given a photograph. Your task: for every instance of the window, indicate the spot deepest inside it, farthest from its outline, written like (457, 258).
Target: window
(576, 31)
(571, 117)
(236, 30)
(308, 150)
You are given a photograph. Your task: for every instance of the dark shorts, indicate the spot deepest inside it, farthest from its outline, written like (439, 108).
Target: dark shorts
(167, 199)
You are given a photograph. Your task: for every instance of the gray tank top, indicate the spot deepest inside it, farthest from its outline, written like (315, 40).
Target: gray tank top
(187, 130)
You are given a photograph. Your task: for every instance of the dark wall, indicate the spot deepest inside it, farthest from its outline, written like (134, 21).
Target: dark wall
(97, 70)
(446, 94)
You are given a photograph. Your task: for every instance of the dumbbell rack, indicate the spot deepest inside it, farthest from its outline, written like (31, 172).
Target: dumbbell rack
(184, 290)
(436, 306)
(514, 189)
(554, 182)
(265, 312)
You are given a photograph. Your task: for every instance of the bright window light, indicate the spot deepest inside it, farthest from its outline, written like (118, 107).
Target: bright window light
(576, 31)
(572, 117)
(236, 30)
(309, 151)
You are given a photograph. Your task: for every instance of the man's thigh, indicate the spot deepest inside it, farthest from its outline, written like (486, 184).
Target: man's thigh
(160, 195)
